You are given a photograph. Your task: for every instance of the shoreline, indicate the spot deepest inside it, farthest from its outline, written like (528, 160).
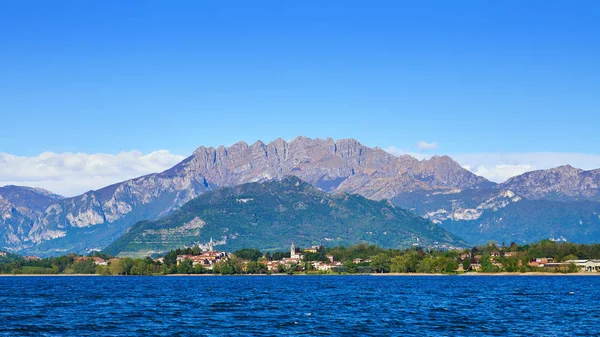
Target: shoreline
(528, 274)
(49, 275)
(491, 274)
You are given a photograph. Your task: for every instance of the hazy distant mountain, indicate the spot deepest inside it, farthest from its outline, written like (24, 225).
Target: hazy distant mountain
(562, 203)
(272, 215)
(94, 219)
(529, 221)
(500, 214)
(564, 183)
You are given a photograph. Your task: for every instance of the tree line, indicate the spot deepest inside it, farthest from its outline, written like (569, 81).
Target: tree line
(369, 259)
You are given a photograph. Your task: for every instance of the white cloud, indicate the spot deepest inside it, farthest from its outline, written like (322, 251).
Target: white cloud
(399, 152)
(425, 146)
(70, 174)
(500, 173)
(499, 166)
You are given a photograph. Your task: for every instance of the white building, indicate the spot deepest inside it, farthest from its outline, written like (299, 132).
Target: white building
(321, 266)
(586, 265)
(293, 254)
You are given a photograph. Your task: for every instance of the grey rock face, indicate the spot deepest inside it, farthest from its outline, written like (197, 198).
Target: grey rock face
(563, 183)
(344, 165)
(20, 208)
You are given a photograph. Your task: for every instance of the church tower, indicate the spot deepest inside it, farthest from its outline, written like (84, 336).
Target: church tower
(210, 245)
(292, 251)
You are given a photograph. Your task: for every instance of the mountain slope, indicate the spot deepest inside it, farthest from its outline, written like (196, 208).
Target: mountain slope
(500, 214)
(94, 219)
(532, 220)
(20, 208)
(273, 214)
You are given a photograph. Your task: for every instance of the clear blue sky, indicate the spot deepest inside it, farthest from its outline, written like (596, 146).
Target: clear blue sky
(475, 76)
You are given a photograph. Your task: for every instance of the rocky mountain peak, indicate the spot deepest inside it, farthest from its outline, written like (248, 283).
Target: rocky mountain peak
(559, 183)
(444, 171)
(566, 170)
(31, 197)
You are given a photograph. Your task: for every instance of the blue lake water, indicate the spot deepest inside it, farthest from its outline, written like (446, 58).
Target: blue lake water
(317, 305)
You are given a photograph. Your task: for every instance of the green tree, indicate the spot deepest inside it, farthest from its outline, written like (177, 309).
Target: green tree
(185, 267)
(140, 267)
(248, 254)
(511, 264)
(570, 257)
(254, 268)
(466, 264)
(351, 267)
(84, 267)
(487, 265)
(171, 258)
(115, 267)
(428, 265)
(199, 269)
(448, 265)
(127, 263)
(406, 263)
(381, 263)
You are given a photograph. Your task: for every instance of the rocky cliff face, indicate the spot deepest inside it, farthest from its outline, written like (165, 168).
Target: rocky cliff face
(94, 219)
(564, 183)
(20, 208)
(343, 165)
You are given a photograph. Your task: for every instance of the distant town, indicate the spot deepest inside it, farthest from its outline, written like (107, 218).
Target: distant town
(546, 256)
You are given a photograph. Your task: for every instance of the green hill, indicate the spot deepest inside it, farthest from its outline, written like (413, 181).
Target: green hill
(271, 215)
(6, 257)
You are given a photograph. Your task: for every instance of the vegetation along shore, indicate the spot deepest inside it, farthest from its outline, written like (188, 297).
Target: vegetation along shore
(543, 258)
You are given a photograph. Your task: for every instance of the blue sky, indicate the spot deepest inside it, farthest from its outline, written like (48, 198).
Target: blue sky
(471, 76)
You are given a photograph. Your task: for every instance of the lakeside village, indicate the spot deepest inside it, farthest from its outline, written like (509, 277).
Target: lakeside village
(545, 256)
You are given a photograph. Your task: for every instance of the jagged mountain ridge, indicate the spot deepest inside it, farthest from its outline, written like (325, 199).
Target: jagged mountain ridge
(343, 165)
(273, 214)
(95, 218)
(27, 197)
(563, 183)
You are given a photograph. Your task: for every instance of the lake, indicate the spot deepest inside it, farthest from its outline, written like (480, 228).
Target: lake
(306, 305)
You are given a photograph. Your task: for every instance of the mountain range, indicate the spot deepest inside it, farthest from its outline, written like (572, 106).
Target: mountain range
(439, 189)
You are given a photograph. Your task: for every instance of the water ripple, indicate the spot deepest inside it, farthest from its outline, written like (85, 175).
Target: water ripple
(283, 306)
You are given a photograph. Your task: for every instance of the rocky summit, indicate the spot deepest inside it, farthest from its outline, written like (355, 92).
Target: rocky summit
(563, 183)
(96, 218)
